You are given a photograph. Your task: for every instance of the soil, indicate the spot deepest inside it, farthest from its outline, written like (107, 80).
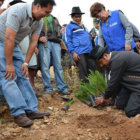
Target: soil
(80, 122)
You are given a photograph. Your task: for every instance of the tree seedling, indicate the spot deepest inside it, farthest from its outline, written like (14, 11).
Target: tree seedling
(92, 89)
(67, 106)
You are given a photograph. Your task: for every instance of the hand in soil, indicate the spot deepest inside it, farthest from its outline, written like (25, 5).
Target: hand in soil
(101, 101)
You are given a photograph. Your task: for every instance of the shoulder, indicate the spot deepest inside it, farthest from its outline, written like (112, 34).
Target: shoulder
(18, 10)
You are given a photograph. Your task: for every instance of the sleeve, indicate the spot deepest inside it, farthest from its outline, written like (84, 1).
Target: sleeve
(39, 28)
(117, 70)
(42, 33)
(14, 18)
(128, 27)
(101, 41)
(68, 39)
(136, 34)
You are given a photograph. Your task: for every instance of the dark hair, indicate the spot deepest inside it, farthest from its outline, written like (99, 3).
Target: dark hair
(64, 25)
(44, 3)
(2, 1)
(15, 2)
(96, 8)
(72, 15)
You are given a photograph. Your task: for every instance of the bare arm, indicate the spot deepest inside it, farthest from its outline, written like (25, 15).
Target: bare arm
(8, 50)
(31, 50)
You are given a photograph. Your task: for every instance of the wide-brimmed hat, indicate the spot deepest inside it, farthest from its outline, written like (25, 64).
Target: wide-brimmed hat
(97, 52)
(76, 10)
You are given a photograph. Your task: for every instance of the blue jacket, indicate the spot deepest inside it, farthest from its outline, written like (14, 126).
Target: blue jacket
(114, 33)
(77, 39)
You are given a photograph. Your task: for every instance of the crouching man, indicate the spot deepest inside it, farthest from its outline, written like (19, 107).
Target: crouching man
(124, 79)
(17, 22)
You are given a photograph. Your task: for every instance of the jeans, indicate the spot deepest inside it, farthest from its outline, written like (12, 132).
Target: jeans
(18, 92)
(52, 53)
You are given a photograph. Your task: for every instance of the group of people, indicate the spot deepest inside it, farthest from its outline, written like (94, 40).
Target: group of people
(29, 28)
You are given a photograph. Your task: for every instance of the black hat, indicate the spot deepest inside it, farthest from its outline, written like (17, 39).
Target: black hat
(15, 2)
(76, 10)
(97, 52)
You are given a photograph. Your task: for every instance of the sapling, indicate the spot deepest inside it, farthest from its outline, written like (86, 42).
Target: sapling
(94, 88)
(68, 105)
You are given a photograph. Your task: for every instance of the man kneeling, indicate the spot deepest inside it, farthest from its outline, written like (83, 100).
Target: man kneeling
(124, 79)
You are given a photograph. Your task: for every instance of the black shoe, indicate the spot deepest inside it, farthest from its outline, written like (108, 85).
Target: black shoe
(64, 92)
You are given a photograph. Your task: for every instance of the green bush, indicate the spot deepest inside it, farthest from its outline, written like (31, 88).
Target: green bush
(96, 86)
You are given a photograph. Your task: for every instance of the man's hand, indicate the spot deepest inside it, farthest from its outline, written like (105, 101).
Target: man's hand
(24, 70)
(10, 72)
(127, 47)
(76, 57)
(101, 101)
(36, 51)
(43, 39)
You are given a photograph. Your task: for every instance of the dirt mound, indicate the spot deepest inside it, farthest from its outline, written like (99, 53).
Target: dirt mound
(80, 122)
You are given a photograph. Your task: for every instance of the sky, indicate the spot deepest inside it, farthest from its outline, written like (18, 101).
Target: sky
(131, 8)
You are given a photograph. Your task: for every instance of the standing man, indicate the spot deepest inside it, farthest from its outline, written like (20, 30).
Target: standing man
(95, 31)
(79, 43)
(115, 30)
(17, 22)
(125, 73)
(51, 53)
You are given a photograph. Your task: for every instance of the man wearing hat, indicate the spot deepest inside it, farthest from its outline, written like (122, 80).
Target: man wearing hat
(95, 30)
(79, 43)
(125, 73)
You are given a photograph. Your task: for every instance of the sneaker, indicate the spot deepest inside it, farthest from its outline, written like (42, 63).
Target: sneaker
(23, 121)
(38, 95)
(49, 92)
(37, 115)
(64, 92)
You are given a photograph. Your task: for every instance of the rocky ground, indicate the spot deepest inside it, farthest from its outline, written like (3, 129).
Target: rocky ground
(80, 122)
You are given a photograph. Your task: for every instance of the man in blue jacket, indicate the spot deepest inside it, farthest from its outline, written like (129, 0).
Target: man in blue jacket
(115, 30)
(79, 43)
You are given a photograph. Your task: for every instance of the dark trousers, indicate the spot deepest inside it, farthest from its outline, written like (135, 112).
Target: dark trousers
(85, 64)
(129, 101)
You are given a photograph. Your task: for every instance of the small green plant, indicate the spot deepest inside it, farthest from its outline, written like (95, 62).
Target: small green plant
(70, 75)
(95, 86)
(2, 121)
